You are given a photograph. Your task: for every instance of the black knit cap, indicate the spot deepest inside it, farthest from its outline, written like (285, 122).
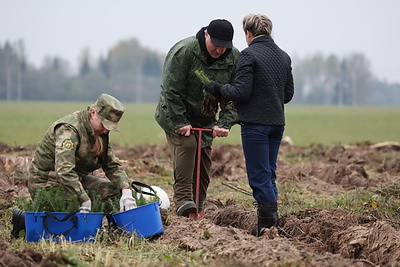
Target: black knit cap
(221, 33)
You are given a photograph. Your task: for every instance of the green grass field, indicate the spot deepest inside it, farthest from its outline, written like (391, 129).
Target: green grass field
(24, 123)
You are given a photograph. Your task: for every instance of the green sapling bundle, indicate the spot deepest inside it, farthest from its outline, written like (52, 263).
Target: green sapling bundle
(209, 105)
(202, 76)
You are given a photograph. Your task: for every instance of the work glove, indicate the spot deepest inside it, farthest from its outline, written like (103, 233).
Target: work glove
(127, 202)
(213, 88)
(86, 206)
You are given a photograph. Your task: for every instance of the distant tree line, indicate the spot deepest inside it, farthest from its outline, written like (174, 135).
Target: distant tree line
(133, 74)
(128, 72)
(330, 80)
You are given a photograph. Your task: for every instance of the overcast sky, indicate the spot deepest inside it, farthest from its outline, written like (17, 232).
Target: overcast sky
(301, 27)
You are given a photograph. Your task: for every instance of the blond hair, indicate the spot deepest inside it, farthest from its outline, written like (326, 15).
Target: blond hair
(98, 145)
(257, 24)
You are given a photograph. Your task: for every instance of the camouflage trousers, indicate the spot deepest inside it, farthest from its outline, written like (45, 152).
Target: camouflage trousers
(184, 156)
(102, 186)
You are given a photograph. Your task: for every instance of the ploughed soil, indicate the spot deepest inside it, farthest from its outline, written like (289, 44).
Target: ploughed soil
(311, 237)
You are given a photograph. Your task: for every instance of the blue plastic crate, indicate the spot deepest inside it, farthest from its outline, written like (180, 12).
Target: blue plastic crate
(144, 221)
(57, 226)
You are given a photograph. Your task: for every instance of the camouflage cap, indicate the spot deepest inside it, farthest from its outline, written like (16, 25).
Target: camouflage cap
(110, 111)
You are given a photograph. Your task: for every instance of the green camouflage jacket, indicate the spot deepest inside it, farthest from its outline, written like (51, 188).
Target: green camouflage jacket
(66, 149)
(182, 91)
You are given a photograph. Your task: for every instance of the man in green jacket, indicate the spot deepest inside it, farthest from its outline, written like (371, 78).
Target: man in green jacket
(184, 105)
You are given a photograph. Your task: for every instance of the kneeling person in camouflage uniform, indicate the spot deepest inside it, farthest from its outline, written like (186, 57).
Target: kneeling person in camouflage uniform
(75, 146)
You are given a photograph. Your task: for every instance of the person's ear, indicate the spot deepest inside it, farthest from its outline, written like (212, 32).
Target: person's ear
(248, 34)
(92, 112)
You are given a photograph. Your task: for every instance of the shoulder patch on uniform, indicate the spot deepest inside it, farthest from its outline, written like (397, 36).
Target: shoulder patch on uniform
(68, 144)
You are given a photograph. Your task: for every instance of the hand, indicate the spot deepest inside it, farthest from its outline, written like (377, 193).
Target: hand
(185, 130)
(86, 206)
(127, 202)
(213, 88)
(220, 132)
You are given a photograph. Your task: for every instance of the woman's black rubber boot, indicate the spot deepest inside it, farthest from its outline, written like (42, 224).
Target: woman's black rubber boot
(18, 222)
(267, 216)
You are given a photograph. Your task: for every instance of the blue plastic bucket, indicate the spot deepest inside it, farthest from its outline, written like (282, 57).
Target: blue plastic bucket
(144, 221)
(57, 226)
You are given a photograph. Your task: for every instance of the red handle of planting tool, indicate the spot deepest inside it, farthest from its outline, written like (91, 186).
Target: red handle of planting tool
(199, 141)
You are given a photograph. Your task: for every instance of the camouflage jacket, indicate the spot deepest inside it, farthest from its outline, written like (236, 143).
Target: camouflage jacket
(182, 91)
(66, 149)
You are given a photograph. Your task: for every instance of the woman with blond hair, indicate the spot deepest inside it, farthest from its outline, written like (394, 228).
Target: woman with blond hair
(75, 146)
(263, 84)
